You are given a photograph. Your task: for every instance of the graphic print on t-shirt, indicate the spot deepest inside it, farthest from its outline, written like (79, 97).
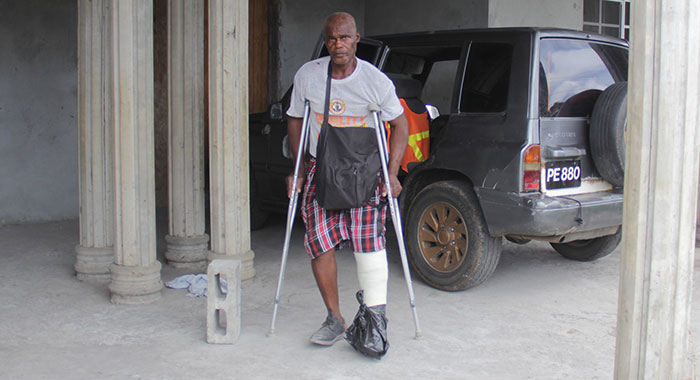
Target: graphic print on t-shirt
(350, 96)
(337, 106)
(336, 119)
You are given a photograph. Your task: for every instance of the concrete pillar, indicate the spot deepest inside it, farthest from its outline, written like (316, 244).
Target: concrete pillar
(95, 253)
(661, 183)
(228, 133)
(135, 272)
(187, 243)
(697, 219)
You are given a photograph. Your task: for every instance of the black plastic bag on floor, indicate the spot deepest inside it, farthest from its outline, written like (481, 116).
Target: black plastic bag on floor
(367, 334)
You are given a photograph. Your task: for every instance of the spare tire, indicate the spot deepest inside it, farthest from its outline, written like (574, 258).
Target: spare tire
(607, 133)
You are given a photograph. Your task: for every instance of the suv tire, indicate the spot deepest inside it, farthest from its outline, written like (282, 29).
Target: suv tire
(258, 216)
(448, 242)
(607, 133)
(589, 249)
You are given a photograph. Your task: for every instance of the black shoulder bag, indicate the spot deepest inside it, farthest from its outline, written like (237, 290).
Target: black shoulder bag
(347, 163)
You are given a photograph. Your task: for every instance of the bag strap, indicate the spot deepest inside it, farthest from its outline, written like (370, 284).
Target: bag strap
(328, 94)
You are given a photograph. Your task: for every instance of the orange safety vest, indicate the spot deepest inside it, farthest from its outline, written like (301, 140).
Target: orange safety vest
(418, 136)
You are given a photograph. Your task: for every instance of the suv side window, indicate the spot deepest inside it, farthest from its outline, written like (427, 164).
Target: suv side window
(439, 85)
(486, 79)
(573, 73)
(434, 67)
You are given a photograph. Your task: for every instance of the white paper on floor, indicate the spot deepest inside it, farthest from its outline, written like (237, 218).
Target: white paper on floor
(196, 284)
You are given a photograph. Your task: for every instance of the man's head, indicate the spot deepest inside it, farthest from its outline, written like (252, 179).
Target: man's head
(341, 37)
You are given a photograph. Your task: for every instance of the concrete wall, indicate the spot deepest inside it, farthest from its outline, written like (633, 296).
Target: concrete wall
(556, 13)
(295, 26)
(396, 16)
(38, 125)
(697, 218)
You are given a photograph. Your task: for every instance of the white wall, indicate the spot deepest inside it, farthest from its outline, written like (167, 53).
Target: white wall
(38, 125)
(554, 13)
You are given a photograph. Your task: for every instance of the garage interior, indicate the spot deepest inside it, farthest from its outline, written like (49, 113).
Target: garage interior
(40, 146)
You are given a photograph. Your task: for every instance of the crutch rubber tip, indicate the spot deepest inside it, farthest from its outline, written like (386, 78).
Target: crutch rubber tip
(270, 333)
(419, 335)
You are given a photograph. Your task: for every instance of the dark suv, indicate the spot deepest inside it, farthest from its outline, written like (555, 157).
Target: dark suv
(527, 143)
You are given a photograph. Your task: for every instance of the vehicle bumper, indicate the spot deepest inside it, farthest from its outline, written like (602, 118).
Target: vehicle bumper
(536, 215)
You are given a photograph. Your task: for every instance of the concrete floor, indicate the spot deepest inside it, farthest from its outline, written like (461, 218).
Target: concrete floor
(539, 317)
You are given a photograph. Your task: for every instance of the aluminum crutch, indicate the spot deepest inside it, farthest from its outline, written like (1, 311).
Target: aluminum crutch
(291, 212)
(395, 216)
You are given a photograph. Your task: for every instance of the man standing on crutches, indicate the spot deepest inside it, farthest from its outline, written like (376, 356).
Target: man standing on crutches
(339, 89)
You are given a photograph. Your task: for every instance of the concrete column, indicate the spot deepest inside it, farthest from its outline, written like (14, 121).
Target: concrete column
(135, 272)
(697, 219)
(661, 183)
(228, 133)
(95, 253)
(187, 243)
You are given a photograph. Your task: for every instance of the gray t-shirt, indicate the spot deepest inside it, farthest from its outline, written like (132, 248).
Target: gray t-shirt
(350, 97)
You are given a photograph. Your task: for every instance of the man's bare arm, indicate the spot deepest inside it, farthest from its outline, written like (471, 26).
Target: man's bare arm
(397, 143)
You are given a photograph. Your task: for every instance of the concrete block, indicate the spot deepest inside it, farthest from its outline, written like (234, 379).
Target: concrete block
(223, 305)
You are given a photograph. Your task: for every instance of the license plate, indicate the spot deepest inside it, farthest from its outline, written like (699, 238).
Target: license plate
(560, 174)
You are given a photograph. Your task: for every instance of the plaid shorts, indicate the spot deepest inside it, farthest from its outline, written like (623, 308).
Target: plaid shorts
(327, 229)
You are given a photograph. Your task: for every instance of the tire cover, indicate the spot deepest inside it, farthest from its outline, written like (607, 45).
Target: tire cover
(607, 133)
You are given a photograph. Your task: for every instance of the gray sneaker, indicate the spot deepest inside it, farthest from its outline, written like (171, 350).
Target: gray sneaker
(330, 332)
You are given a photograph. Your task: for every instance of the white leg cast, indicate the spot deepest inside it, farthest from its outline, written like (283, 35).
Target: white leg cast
(373, 274)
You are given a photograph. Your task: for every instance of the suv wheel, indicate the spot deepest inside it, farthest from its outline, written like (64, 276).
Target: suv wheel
(447, 239)
(589, 249)
(258, 216)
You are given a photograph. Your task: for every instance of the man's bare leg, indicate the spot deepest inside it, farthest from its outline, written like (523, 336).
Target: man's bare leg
(326, 273)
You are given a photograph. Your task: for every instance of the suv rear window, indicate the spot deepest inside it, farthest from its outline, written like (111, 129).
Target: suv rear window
(573, 73)
(486, 79)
